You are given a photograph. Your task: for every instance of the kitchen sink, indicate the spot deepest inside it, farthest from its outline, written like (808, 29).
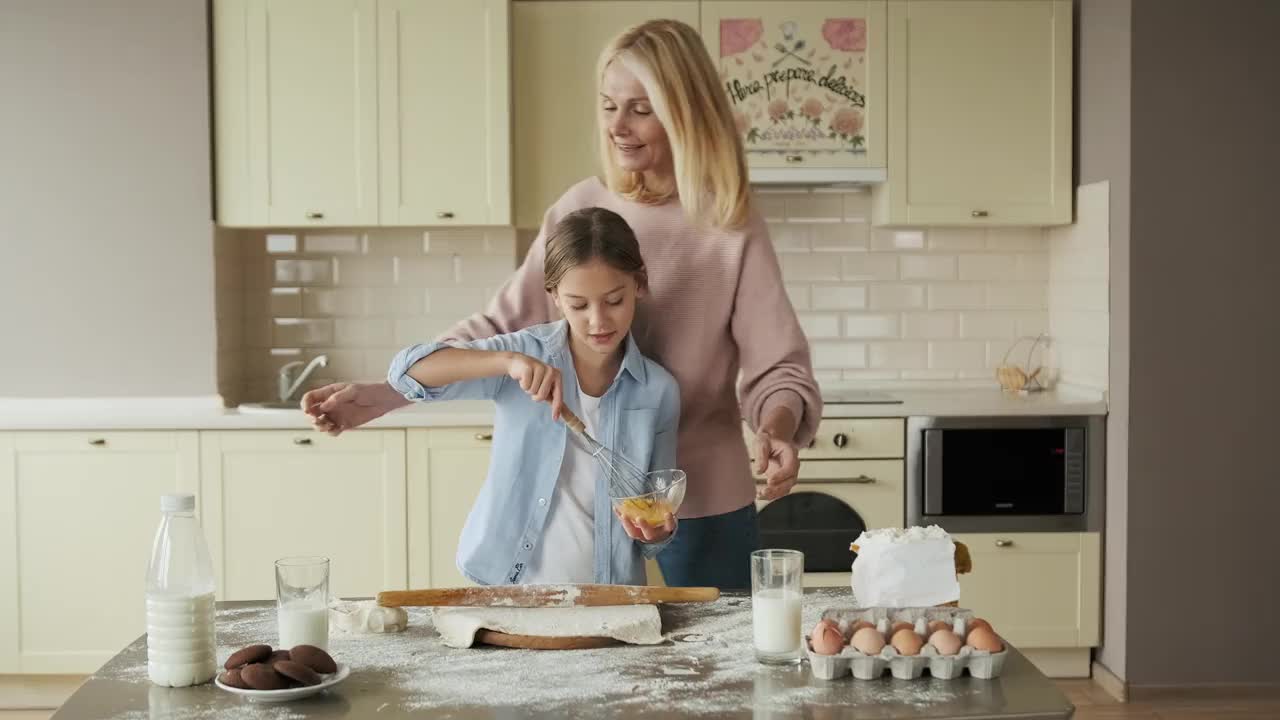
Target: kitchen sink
(269, 408)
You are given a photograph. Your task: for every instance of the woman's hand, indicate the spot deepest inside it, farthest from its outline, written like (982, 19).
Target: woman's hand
(540, 380)
(778, 461)
(343, 406)
(644, 532)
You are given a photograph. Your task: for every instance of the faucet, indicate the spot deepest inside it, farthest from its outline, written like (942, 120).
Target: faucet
(288, 387)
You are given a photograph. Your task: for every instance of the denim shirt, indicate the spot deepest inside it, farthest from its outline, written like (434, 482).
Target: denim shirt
(638, 418)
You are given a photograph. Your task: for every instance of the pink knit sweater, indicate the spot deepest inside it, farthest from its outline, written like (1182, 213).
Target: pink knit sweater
(716, 306)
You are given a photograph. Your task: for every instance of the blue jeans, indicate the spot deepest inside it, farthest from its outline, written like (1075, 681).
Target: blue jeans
(712, 551)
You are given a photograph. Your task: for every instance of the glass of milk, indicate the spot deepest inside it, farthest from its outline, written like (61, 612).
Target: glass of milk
(302, 601)
(775, 605)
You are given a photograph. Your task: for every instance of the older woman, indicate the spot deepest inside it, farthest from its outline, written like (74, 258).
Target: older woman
(717, 316)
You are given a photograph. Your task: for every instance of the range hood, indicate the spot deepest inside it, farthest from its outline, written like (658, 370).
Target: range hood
(810, 176)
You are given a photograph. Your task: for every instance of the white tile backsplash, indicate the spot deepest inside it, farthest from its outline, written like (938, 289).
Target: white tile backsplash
(921, 304)
(355, 296)
(869, 325)
(1079, 310)
(880, 305)
(839, 297)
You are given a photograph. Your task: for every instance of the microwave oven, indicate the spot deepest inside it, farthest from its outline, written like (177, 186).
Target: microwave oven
(1007, 473)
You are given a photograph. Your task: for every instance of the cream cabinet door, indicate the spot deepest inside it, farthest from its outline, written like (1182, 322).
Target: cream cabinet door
(447, 468)
(444, 112)
(555, 46)
(806, 80)
(269, 494)
(78, 513)
(1036, 589)
(979, 113)
(296, 113)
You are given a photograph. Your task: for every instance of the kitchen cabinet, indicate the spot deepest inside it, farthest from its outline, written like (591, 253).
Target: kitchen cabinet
(361, 112)
(78, 513)
(444, 112)
(555, 46)
(269, 494)
(446, 469)
(980, 117)
(1039, 590)
(295, 112)
(806, 81)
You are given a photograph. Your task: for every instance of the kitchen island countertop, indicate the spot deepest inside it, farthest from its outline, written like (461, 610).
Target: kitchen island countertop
(705, 669)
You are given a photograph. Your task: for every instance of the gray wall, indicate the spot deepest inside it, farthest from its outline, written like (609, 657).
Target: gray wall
(106, 256)
(1102, 153)
(1204, 475)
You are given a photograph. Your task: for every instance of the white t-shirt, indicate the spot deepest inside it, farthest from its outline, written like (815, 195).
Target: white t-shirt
(566, 550)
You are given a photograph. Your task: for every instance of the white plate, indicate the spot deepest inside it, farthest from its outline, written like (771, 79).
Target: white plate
(291, 693)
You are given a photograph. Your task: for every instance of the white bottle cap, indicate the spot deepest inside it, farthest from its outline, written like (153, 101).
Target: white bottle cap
(178, 502)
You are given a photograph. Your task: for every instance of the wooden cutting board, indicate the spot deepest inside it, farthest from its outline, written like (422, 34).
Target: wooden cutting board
(538, 642)
(532, 596)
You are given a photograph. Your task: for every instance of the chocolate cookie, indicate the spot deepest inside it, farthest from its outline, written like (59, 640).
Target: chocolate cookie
(314, 658)
(298, 672)
(276, 657)
(231, 678)
(245, 656)
(263, 677)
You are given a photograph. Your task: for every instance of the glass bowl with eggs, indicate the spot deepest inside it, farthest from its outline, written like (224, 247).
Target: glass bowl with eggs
(663, 493)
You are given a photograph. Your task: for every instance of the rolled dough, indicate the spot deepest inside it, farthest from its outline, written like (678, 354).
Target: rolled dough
(635, 624)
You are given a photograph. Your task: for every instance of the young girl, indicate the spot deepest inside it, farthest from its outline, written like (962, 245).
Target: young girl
(543, 515)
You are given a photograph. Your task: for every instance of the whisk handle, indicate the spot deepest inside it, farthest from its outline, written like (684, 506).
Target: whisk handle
(573, 421)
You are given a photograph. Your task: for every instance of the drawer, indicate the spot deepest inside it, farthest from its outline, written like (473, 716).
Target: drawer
(1036, 589)
(850, 438)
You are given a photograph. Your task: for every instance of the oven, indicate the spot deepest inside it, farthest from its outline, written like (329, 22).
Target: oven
(1006, 474)
(852, 478)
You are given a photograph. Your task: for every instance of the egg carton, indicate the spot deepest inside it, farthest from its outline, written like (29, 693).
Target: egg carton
(981, 664)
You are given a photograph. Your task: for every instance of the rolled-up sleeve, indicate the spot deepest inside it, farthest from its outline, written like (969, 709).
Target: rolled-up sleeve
(478, 389)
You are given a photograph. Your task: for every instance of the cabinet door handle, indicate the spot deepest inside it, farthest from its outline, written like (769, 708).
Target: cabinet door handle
(444, 215)
(795, 158)
(1004, 543)
(863, 480)
(302, 441)
(313, 215)
(979, 213)
(484, 436)
(97, 442)
(840, 440)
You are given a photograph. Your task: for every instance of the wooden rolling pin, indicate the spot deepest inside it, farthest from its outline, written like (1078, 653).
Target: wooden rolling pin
(532, 596)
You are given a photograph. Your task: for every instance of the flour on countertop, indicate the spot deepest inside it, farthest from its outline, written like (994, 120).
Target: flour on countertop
(706, 666)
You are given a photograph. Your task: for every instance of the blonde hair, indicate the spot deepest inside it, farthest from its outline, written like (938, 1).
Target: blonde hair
(684, 88)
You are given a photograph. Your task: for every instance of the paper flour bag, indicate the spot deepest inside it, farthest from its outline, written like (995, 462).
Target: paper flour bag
(905, 568)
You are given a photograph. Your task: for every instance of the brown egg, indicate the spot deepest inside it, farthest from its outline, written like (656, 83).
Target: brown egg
(868, 641)
(945, 642)
(826, 638)
(893, 629)
(982, 638)
(907, 642)
(937, 625)
(859, 625)
(974, 624)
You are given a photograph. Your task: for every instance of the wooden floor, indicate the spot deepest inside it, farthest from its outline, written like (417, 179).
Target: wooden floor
(1092, 703)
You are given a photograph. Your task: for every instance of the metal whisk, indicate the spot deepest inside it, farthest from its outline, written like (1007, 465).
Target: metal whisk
(625, 479)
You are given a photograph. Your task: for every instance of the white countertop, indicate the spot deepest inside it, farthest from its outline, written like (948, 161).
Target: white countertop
(207, 413)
